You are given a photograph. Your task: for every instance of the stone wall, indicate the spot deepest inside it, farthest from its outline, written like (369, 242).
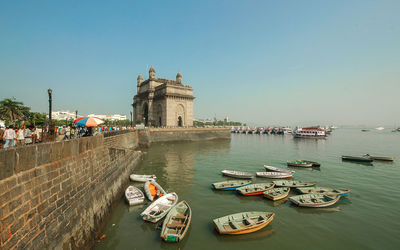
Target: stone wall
(55, 195)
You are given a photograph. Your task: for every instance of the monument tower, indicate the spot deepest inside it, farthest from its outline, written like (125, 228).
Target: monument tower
(161, 102)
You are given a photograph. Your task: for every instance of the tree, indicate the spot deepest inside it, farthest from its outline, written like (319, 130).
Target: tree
(12, 110)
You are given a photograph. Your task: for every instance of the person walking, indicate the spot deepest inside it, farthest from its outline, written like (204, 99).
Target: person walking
(2, 130)
(21, 136)
(67, 133)
(9, 137)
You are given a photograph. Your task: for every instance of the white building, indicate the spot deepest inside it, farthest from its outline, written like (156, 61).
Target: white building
(63, 115)
(115, 117)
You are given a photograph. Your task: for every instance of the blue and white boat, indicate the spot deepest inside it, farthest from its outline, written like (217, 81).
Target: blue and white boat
(230, 185)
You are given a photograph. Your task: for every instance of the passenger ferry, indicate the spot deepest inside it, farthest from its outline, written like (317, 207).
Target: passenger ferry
(310, 132)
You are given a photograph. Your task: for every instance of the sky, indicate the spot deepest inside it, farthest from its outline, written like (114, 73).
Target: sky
(259, 62)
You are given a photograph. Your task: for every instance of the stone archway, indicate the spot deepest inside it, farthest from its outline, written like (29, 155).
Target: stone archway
(145, 114)
(180, 122)
(159, 115)
(180, 115)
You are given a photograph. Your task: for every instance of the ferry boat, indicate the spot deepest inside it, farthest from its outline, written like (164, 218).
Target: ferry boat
(310, 132)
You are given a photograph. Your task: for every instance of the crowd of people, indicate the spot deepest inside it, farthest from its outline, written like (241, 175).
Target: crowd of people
(26, 135)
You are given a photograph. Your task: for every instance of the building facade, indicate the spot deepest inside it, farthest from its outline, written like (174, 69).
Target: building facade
(163, 103)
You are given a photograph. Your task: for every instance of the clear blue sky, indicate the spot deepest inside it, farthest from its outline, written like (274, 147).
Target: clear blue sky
(261, 62)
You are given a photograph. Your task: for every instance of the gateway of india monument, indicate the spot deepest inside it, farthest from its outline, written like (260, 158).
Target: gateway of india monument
(163, 103)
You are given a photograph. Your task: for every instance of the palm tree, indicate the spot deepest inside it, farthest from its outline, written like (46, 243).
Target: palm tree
(12, 110)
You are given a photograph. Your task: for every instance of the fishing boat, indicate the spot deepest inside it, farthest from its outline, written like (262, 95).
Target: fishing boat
(255, 189)
(230, 185)
(314, 200)
(142, 177)
(159, 208)
(323, 190)
(379, 158)
(276, 169)
(243, 223)
(275, 175)
(153, 190)
(298, 163)
(356, 158)
(289, 183)
(176, 223)
(237, 174)
(313, 163)
(277, 193)
(134, 196)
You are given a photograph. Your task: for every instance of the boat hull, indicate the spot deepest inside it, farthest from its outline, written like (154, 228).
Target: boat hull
(245, 230)
(356, 158)
(277, 197)
(229, 188)
(314, 205)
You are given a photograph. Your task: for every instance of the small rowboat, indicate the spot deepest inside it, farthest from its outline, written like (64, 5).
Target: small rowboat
(323, 190)
(313, 163)
(287, 183)
(243, 223)
(277, 193)
(134, 196)
(301, 164)
(237, 174)
(153, 190)
(275, 175)
(255, 189)
(314, 200)
(142, 177)
(230, 185)
(159, 208)
(276, 169)
(356, 158)
(176, 222)
(379, 158)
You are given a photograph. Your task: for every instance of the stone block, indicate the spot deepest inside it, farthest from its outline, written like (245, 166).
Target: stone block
(26, 158)
(7, 163)
(43, 153)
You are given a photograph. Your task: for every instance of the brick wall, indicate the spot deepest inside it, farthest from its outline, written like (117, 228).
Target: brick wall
(55, 195)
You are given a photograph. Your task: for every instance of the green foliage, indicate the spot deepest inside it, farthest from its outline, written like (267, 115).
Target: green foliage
(13, 111)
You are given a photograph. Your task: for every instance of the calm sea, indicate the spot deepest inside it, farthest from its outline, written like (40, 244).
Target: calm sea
(368, 219)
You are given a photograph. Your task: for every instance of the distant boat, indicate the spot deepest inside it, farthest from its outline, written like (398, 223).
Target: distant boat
(323, 190)
(243, 223)
(364, 130)
(255, 189)
(313, 163)
(379, 158)
(277, 193)
(276, 169)
(356, 158)
(287, 183)
(142, 177)
(314, 200)
(176, 222)
(380, 128)
(159, 208)
(310, 132)
(275, 175)
(237, 174)
(230, 185)
(299, 163)
(134, 196)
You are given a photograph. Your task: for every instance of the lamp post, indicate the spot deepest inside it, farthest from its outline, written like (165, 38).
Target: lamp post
(76, 114)
(51, 129)
(131, 119)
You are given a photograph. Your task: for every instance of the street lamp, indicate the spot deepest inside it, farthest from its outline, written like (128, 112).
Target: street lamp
(49, 91)
(76, 114)
(131, 119)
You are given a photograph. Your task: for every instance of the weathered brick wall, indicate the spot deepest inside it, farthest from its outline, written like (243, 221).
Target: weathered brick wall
(55, 195)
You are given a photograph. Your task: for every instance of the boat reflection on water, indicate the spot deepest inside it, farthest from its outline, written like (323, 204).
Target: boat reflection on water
(258, 235)
(279, 202)
(357, 162)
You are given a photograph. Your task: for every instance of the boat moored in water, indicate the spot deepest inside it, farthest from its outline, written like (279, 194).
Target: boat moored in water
(153, 190)
(356, 158)
(323, 190)
(176, 222)
(134, 196)
(314, 200)
(230, 185)
(277, 193)
(290, 183)
(313, 163)
(310, 132)
(275, 175)
(243, 223)
(159, 208)
(237, 174)
(255, 189)
(142, 177)
(276, 169)
(298, 163)
(379, 158)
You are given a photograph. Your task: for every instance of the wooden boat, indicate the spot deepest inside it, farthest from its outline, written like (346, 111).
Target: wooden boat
(243, 223)
(255, 189)
(314, 200)
(323, 190)
(134, 195)
(159, 208)
(276, 169)
(237, 174)
(230, 185)
(289, 183)
(356, 158)
(142, 177)
(301, 164)
(364, 130)
(275, 175)
(176, 222)
(313, 163)
(277, 193)
(379, 158)
(153, 190)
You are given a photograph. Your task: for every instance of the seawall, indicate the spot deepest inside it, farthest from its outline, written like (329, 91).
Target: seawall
(58, 194)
